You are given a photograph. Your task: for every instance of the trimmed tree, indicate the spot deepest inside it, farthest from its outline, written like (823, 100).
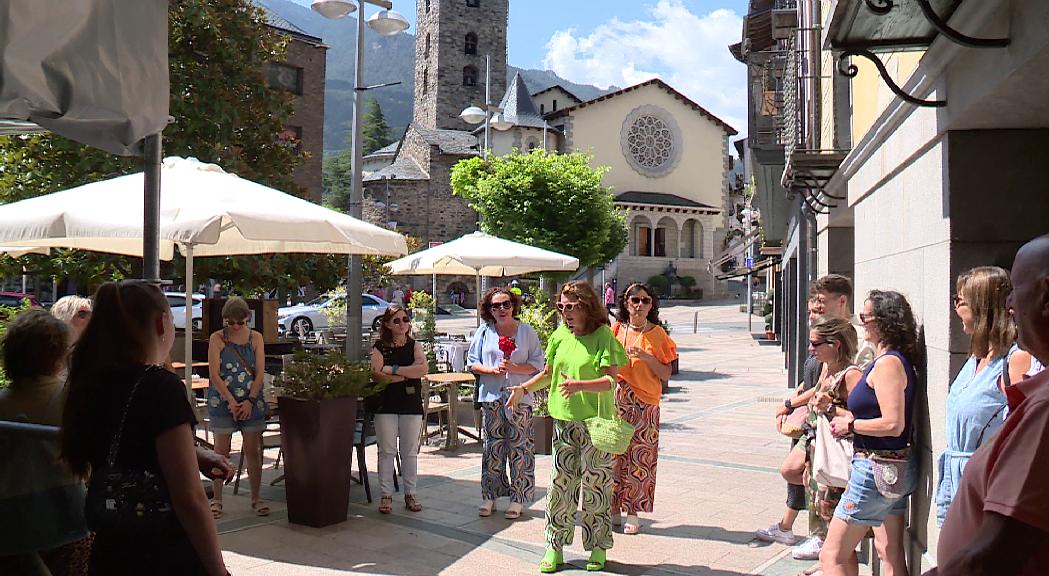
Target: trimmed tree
(375, 133)
(548, 200)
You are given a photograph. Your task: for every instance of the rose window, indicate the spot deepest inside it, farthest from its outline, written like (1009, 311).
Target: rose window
(651, 141)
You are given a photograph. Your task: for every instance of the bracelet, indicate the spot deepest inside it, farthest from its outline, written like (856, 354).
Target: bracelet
(394, 368)
(852, 427)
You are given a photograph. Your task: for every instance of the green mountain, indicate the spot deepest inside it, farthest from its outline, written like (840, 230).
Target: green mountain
(389, 59)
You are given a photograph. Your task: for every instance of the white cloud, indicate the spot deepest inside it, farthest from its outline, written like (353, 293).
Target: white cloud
(689, 51)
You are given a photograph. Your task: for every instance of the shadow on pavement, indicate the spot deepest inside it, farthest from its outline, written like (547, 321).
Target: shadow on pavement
(692, 532)
(699, 376)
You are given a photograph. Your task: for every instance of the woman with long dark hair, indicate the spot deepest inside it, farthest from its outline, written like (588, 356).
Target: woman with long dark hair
(582, 359)
(639, 387)
(119, 389)
(880, 419)
(504, 353)
(400, 361)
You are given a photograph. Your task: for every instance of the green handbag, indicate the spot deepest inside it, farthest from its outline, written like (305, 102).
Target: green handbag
(610, 435)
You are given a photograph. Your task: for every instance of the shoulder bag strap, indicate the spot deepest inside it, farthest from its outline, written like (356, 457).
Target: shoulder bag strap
(114, 445)
(239, 356)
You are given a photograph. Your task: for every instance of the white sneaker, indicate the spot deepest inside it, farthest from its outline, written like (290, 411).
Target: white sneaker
(808, 550)
(776, 534)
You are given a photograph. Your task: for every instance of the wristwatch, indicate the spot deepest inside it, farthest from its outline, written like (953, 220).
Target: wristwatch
(852, 426)
(787, 404)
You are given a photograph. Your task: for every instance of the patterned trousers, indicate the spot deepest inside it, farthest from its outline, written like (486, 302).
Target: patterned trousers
(635, 469)
(577, 464)
(507, 441)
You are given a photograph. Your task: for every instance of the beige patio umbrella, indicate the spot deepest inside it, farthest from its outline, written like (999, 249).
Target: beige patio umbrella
(480, 254)
(204, 210)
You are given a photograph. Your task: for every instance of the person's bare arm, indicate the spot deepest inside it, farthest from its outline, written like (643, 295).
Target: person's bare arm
(178, 463)
(377, 367)
(1002, 547)
(419, 367)
(889, 380)
(1019, 364)
(260, 364)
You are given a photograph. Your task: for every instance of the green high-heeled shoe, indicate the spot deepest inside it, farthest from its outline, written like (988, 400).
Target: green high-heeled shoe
(551, 561)
(596, 563)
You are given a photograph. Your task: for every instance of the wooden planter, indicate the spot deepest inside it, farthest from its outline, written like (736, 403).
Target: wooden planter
(317, 439)
(674, 366)
(543, 433)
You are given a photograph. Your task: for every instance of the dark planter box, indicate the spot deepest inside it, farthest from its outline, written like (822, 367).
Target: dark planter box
(317, 439)
(674, 366)
(543, 433)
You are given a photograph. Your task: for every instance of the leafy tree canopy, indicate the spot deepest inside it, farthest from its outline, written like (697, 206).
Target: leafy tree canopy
(224, 112)
(549, 200)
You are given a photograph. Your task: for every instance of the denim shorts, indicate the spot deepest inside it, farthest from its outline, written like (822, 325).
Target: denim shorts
(863, 504)
(227, 425)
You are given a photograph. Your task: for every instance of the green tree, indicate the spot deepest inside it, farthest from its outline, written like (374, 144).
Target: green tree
(335, 178)
(549, 200)
(224, 112)
(375, 133)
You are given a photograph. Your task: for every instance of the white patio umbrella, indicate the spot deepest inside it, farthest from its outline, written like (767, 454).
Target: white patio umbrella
(481, 254)
(204, 210)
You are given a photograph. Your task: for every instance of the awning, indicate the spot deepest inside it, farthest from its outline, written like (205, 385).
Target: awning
(736, 249)
(758, 267)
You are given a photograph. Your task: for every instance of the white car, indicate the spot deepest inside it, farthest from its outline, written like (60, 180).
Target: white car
(177, 301)
(305, 318)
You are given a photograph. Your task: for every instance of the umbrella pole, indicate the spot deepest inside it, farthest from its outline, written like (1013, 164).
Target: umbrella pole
(478, 298)
(187, 349)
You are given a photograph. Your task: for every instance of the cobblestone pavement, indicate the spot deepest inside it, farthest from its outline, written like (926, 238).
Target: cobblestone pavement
(718, 481)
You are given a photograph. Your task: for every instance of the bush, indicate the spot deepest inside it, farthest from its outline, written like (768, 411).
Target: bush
(313, 376)
(660, 284)
(539, 315)
(424, 320)
(687, 282)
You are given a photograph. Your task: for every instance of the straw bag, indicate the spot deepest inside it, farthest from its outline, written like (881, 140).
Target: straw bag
(610, 435)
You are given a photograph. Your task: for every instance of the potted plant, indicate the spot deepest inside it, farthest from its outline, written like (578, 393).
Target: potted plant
(318, 413)
(542, 424)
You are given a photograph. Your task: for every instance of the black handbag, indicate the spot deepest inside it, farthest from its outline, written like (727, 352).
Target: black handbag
(128, 500)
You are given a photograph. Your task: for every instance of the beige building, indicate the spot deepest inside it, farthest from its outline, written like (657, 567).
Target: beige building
(668, 165)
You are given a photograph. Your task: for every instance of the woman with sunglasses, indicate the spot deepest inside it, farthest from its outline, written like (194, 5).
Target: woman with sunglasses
(640, 384)
(880, 419)
(400, 361)
(976, 398)
(507, 433)
(236, 359)
(582, 359)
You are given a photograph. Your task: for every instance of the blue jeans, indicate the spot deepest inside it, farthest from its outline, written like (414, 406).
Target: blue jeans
(862, 503)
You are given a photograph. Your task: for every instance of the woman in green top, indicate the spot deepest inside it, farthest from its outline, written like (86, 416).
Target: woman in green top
(582, 358)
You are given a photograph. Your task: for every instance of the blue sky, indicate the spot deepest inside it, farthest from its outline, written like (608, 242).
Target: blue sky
(619, 42)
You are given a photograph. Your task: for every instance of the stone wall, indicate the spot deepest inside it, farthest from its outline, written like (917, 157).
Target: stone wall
(439, 91)
(308, 113)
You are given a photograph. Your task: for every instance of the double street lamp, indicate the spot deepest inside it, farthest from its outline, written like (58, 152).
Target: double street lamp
(386, 23)
(491, 115)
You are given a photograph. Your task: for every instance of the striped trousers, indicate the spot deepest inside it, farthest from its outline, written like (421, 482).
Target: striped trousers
(635, 469)
(578, 467)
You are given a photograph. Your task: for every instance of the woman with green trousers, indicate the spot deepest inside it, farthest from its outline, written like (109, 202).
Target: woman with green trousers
(582, 359)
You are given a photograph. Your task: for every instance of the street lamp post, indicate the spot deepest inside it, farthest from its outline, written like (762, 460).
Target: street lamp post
(491, 115)
(387, 23)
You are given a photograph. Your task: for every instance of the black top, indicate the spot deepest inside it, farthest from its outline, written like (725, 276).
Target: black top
(863, 403)
(810, 372)
(160, 404)
(398, 397)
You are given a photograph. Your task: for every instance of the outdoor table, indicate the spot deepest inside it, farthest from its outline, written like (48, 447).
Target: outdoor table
(452, 381)
(199, 383)
(182, 365)
(452, 351)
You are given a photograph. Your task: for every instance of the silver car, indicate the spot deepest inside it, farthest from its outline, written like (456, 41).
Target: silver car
(177, 301)
(305, 318)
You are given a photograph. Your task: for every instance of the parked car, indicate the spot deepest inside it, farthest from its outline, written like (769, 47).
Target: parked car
(14, 299)
(305, 318)
(177, 301)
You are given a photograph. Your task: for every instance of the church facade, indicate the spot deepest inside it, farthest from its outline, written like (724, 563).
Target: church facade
(668, 156)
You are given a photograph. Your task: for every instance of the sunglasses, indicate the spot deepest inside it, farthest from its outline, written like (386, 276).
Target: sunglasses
(636, 300)
(237, 322)
(563, 307)
(817, 343)
(83, 314)
(507, 305)
(399, 321)
(958, 301)
(864, 318)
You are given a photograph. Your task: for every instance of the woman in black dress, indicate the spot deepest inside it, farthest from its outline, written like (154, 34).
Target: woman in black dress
(117, 383)
(399, 361)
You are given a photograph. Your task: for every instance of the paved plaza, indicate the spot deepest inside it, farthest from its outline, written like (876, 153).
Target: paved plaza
(718, 481)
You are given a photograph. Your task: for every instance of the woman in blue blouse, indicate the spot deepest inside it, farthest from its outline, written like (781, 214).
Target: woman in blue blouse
(507, 432)
(976, 401)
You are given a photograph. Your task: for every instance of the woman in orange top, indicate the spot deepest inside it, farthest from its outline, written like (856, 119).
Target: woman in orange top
(640, 385)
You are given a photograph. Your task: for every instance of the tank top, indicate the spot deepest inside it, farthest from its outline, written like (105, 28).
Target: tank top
(403, 397)
(863, 404)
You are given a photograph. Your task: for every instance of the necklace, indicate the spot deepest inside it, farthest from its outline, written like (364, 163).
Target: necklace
(640, 334)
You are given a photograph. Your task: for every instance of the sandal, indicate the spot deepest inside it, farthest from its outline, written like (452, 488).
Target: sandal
(513, 512)
(551, 561)
(632, 525)
(216, 509)
(386, 504)
(485, 510)
(596, 563)
(260, 508)
(412, 504)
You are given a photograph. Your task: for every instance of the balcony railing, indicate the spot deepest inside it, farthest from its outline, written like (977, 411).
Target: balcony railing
(792, 106)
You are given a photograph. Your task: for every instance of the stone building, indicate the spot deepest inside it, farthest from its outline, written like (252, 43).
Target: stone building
(302, 73)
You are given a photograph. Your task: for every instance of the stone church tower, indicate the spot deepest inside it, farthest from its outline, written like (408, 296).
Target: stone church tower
(452, 38)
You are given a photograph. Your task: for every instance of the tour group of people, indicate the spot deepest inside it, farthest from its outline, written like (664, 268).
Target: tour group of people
(856, 404)
(100, 370)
